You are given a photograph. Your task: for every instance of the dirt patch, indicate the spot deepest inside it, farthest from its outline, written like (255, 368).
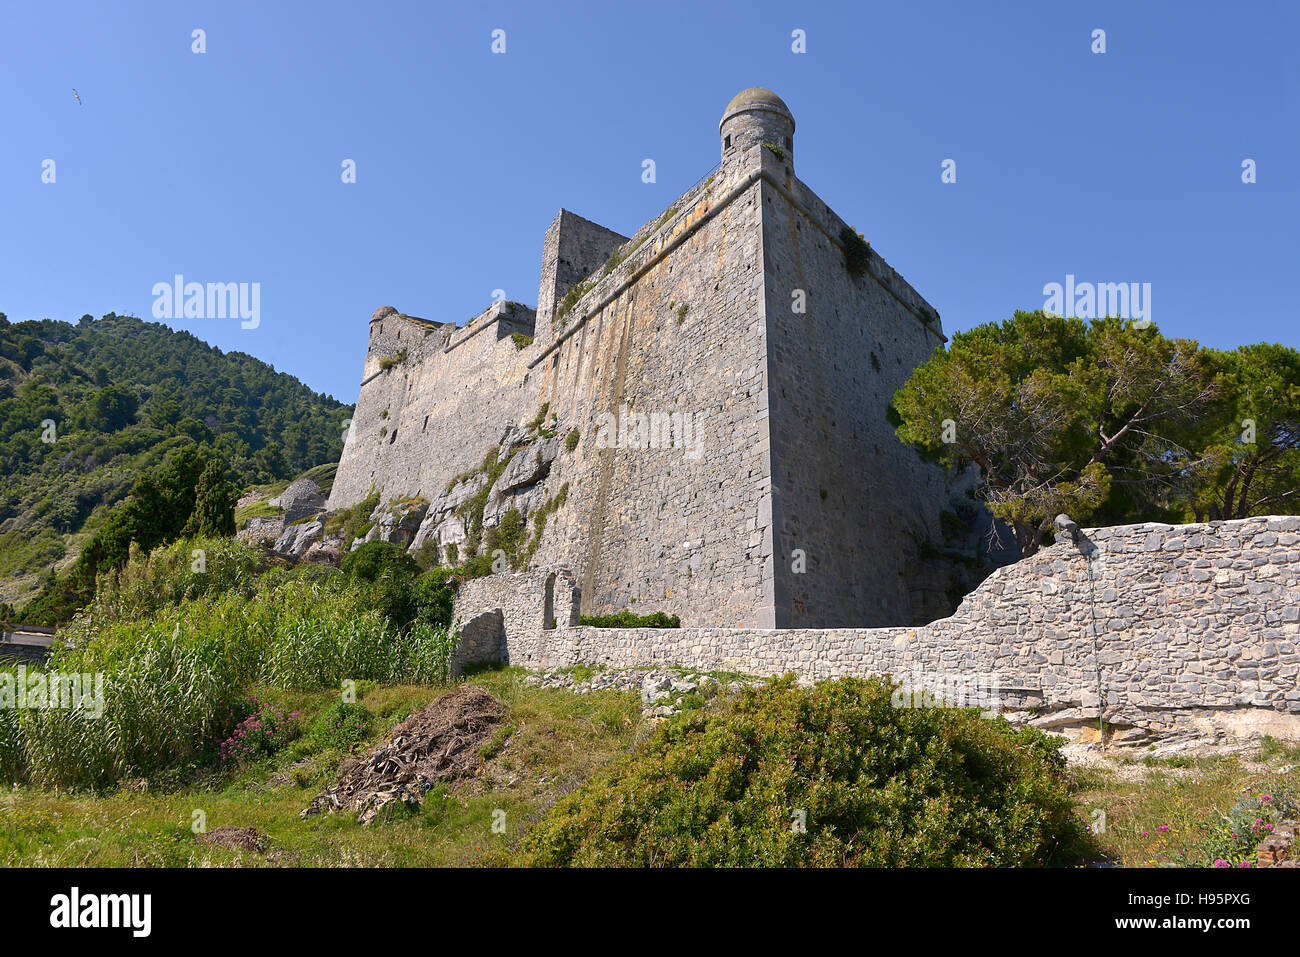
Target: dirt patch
(235, 838)
(440, 742)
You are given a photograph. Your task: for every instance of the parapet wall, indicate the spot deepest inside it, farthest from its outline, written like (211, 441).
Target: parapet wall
(1197, 627)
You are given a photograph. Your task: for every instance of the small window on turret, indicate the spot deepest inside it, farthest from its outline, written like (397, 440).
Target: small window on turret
(726, 143)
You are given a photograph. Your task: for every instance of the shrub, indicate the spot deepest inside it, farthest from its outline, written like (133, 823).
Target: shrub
(857, 251)
(266, 729)
(627, 619)
(341, 726)
(571, 440)
(872, 784)
(1232, 838)
(348, 523)
(435, 596)
(373, 561)
(509, 536)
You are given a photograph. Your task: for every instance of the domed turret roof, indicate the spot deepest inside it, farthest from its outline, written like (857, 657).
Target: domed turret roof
(756, 98)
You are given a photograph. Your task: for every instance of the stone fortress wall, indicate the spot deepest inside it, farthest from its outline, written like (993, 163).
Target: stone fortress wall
(774, 433)
(1197, 630)
(677, 435)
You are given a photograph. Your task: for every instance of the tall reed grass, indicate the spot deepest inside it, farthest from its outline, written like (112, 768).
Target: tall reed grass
(179, 651)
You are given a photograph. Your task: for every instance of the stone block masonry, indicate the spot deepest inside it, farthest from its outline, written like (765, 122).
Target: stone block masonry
(1197, 628)
(790, 463)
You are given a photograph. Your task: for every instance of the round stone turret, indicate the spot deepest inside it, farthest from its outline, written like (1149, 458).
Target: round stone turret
(757, 117)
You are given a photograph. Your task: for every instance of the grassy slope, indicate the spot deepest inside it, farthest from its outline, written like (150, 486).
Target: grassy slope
(556, 740)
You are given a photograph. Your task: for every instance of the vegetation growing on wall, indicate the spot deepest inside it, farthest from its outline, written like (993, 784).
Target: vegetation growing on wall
(857, 251)
(471, 513)
(576, 292)
(628, 619)
(508, 536)
(354, 521)
(540, 516)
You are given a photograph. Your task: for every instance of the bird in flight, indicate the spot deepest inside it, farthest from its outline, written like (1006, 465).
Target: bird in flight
(77, 95)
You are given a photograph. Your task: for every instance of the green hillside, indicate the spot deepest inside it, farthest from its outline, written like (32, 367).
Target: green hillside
(86, 408)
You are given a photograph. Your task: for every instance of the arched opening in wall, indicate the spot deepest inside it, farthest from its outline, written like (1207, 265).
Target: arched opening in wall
(548, 610)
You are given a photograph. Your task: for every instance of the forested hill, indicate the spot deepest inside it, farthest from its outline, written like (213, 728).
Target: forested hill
(86, 408)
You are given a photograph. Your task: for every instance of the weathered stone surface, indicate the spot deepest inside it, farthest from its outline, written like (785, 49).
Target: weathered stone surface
(262, 528)
(780, 441)
(297, 539)
(300, 499)
(528, 466)
(397, 523)
(1030, 648)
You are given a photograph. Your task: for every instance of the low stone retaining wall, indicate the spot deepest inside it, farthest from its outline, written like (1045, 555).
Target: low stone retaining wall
(1197, 628)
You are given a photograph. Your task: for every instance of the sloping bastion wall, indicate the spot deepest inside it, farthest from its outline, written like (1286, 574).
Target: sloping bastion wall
(1197, 631)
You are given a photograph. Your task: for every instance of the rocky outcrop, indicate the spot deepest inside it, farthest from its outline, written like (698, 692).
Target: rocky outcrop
(300, 499)
(297, 539)
(397, 523)
(262, 528)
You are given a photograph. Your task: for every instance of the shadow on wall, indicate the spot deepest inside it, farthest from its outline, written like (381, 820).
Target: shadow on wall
(524, 605)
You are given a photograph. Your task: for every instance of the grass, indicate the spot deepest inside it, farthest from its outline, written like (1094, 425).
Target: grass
(1159, 812)
(551, 742)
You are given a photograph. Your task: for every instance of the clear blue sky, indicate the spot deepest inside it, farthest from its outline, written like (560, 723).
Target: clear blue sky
(225, 166)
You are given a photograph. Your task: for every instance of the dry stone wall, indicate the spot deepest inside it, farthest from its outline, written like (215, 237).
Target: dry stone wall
(1197, 628)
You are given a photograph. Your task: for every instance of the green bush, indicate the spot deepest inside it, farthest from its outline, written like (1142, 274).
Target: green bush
(509, 536)
(341, 726)
(374, 561)
(627, 619)
(871, 784)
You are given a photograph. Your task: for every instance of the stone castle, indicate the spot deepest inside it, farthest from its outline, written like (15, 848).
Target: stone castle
(693, 420)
